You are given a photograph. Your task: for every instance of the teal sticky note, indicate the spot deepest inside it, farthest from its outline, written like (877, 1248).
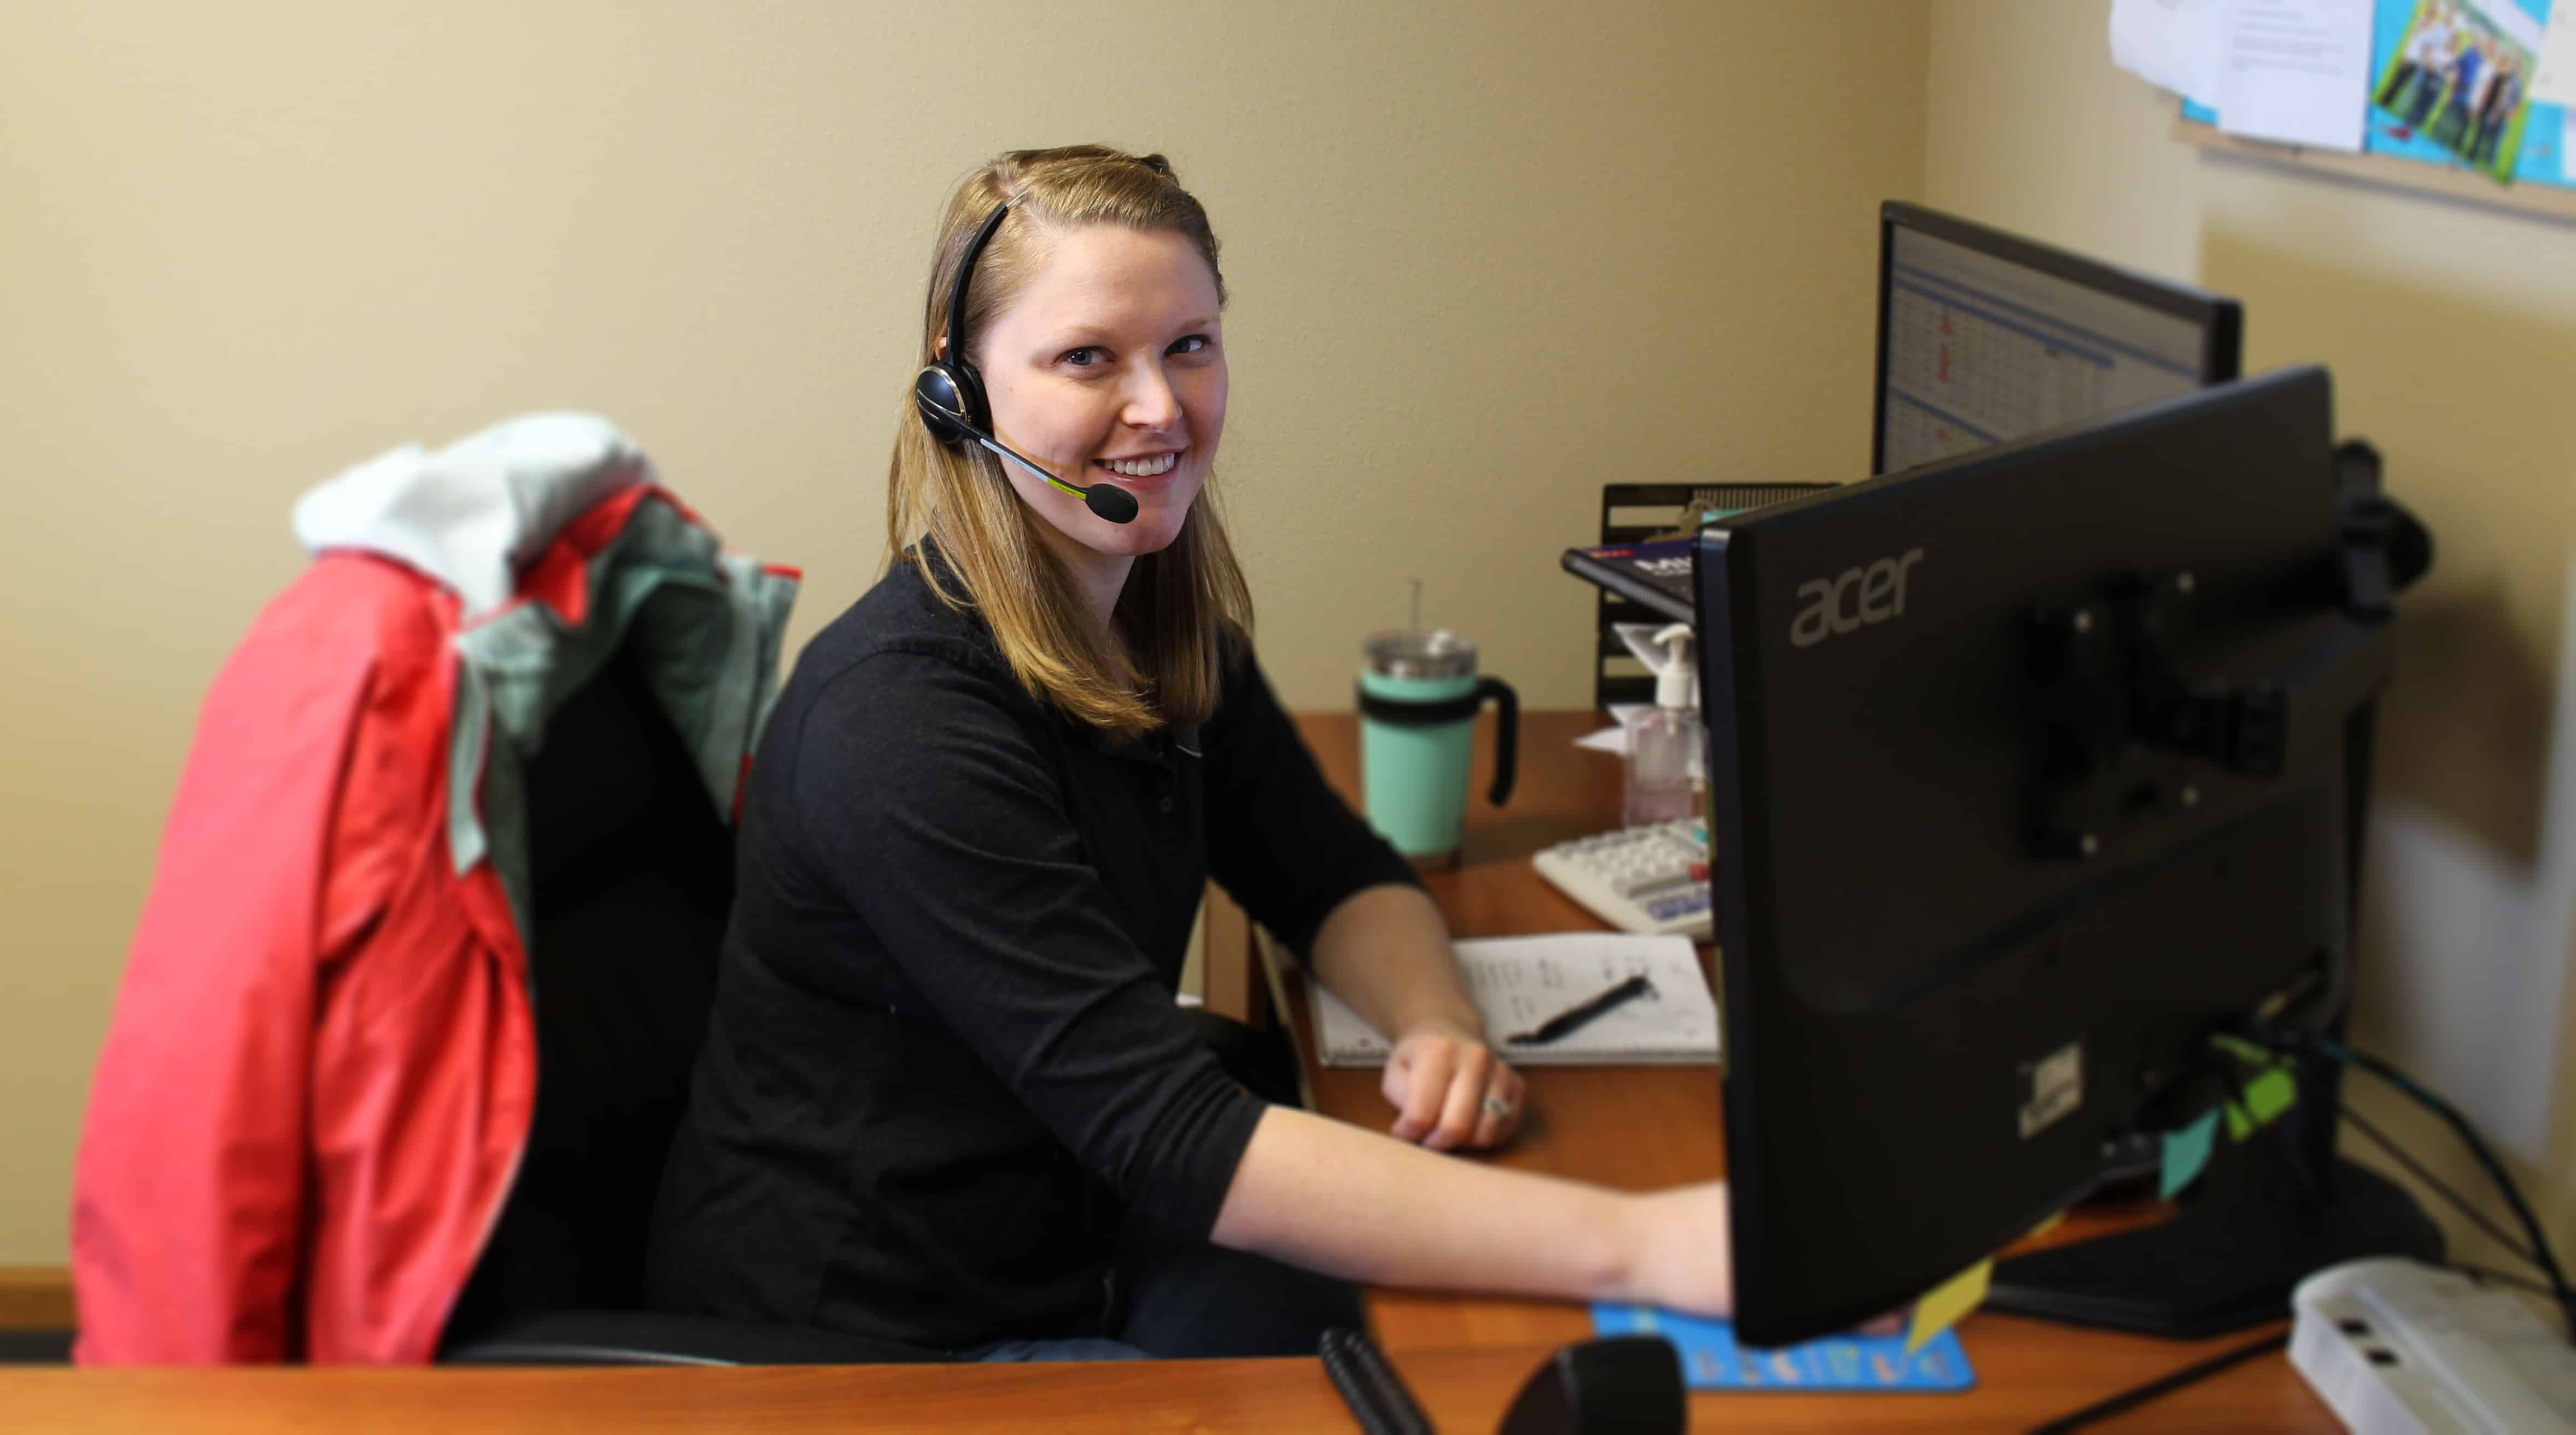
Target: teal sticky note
(2186, 1151)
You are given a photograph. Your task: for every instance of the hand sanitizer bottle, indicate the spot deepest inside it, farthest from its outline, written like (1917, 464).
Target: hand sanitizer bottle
(1664, 740)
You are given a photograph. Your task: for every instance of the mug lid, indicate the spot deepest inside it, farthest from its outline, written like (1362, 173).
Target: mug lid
(1438, 653)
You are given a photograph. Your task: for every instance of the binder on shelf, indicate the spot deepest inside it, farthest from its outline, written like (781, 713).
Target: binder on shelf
(1656, 576)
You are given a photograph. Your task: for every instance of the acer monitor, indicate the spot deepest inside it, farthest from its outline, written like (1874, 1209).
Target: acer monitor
(1985, 337)
(2029, 770)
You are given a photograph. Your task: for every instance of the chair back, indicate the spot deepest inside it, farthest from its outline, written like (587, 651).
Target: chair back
(631, 879)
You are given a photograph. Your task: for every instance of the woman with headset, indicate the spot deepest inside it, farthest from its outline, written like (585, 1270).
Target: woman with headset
(946, 1097)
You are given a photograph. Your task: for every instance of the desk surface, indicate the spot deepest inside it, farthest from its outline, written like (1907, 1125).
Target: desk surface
(1465, 1391)
(1464, 1357)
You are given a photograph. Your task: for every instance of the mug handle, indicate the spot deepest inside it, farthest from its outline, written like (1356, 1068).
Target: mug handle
(1507, 736)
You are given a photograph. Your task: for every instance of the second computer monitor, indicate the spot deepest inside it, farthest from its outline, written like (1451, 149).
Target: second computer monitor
(1984, 337)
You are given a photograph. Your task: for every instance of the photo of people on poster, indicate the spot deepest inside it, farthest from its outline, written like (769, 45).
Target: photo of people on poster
(2462, 81)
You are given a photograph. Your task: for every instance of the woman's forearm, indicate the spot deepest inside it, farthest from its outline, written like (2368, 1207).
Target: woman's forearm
(1385, 951)
(1330, 1197)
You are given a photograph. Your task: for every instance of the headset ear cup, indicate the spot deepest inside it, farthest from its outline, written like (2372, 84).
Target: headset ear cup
(949, 393)
(950, 401)
(970, 395)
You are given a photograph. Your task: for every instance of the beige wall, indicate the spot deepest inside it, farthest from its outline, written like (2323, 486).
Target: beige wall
(2451, 333)
(1485, 257)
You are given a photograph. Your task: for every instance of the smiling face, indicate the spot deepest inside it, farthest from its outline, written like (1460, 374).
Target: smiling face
(1109, 367)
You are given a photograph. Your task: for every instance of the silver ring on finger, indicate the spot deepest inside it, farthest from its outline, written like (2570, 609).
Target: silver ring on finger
(1498, 1108)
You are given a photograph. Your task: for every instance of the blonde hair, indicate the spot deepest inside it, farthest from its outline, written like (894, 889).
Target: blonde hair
(1182, 607)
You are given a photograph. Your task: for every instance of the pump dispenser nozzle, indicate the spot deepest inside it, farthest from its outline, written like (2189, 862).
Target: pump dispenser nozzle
(1677, 675)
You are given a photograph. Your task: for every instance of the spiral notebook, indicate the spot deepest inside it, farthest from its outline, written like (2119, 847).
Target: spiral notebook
(1519, 982)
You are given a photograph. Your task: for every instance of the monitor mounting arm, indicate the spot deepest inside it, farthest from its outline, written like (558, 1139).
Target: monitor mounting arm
(2125, 732)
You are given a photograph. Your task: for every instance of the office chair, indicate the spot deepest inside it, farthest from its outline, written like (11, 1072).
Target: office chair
(631, 878)
(631, 875)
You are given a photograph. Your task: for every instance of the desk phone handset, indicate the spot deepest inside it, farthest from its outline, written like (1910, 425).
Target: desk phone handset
(1620, 1385)
(1617, 1385)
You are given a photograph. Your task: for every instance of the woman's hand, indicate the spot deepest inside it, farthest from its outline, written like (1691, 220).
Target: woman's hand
(1449, 1089)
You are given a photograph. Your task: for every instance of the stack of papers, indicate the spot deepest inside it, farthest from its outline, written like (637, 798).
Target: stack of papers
(1519, 982)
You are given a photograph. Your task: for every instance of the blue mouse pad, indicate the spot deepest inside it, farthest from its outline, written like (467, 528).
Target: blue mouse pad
(1711, 1360)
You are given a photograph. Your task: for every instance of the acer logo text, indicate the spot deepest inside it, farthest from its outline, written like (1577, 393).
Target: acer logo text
(1858, 598)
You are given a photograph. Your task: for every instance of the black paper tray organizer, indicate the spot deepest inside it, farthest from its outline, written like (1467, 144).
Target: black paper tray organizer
(1642, 565)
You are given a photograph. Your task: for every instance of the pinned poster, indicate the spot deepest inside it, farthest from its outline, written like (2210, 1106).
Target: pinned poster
(2186, 1153)
(2469, 84)
(1948, 1301)
(2482, 86)
(2476, 84)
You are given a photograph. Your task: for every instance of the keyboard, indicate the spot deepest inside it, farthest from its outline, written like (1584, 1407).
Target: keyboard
(1638, 879)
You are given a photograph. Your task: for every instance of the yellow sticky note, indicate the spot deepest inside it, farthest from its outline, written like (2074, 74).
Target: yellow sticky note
(2046, 1226)
(1952, 1299)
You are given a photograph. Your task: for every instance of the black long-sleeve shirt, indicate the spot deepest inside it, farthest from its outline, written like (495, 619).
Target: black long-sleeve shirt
(944, 1060)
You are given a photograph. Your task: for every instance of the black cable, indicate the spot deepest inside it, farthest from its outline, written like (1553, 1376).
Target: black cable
(2542, 1255)
(2482, 1275)
(2163, 1385)
(2421, 1173)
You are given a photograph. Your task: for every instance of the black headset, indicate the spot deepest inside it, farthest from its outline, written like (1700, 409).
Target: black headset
(950, 394)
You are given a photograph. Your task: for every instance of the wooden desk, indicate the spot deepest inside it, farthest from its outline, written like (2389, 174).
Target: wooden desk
(1464, 1357)
(2023, 1381)
(1639, 1128)
(1466, 1390)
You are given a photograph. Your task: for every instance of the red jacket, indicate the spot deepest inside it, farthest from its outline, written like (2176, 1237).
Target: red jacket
(322, 1067)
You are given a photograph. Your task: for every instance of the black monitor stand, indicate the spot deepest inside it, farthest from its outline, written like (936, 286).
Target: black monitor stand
(2269, 1212)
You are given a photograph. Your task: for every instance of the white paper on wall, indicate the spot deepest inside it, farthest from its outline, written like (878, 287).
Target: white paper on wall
(2554, 81)
(2295, 71)
(2171, 43)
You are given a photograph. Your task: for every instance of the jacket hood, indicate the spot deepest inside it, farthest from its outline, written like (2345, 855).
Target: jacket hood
(472, 514)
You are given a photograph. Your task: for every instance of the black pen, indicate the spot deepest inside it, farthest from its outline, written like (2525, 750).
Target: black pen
(1573, 1018)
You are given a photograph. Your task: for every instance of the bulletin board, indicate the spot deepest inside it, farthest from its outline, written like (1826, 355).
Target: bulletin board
(2418, 134)
(2381, 169)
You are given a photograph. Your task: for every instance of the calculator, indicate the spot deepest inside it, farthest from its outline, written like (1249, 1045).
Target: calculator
(1638, 879)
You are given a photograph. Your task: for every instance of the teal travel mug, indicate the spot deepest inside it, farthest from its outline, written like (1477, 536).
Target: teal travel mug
(1418, 697)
